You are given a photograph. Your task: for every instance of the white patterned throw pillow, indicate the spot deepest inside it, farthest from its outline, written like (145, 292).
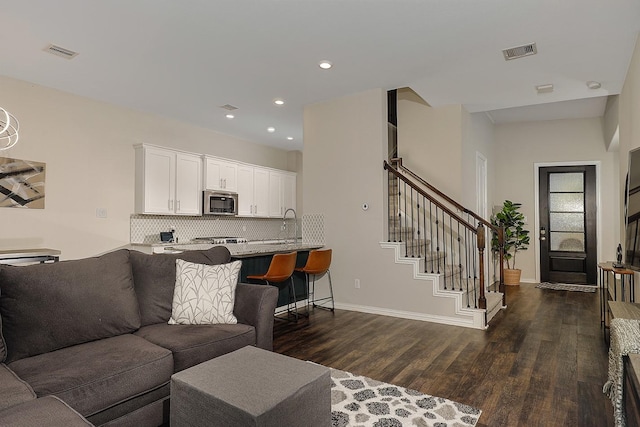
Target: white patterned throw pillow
(204, 294)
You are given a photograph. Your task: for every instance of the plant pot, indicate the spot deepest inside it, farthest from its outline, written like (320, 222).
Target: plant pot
(512, 277)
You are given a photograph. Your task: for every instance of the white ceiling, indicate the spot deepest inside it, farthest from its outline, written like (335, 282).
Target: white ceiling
(184, 59)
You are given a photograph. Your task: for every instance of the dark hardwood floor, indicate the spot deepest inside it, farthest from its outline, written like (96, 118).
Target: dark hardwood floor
(542, 362)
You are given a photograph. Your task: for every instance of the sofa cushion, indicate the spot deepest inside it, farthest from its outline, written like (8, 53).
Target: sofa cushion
(13, 390)
(95, 376)
(47, 411)
(193, 344)
(46, 307)
(154, 277)
(204, 294)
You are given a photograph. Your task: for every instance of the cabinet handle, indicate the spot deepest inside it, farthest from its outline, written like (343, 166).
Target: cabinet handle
(220, 182)
(178, 209)
(225, 183)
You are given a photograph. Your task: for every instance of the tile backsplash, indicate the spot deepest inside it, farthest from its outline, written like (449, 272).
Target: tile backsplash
(146, 228)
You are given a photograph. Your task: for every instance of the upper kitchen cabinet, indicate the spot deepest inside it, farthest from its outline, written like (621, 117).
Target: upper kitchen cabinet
(220, 174)
(282, 192)
(253, 191)
(168, 182)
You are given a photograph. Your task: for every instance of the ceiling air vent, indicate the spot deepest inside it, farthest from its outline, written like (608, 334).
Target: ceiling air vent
(519, 51)
(60, 51)
(229, 107)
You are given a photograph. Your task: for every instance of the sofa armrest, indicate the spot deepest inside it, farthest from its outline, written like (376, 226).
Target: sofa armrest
(255, 305)
(13, 390)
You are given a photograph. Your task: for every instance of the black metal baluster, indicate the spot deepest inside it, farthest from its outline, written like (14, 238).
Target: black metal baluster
(475, 281)
(444, 249)
(460, 255)
(424, 221)
(418, 244)
(437, 240)
(431, 232)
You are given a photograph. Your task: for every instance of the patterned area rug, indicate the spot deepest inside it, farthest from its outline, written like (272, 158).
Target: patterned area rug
(566, 287)
(358, 401)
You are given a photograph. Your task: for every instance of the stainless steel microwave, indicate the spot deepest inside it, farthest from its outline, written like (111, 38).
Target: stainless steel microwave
(219, 203)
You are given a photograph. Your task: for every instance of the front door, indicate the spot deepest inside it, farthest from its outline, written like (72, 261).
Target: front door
(567, 203)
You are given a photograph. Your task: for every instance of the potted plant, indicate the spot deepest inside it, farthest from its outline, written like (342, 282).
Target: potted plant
(516, 238)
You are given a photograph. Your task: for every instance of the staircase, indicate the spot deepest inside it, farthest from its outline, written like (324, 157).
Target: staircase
(445, 244)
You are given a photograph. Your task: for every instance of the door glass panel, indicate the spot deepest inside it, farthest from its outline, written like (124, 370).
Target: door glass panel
(566, 202)
(570, 242)
(566, 182)
(560, 221)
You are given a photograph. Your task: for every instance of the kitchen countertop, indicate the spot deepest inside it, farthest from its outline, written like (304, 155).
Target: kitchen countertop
(238, 250)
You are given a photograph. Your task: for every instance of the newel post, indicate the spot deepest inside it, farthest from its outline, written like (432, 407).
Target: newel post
(482, 300)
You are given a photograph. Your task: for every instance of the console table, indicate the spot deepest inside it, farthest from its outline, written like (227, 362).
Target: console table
(623, 280)
(22, 256)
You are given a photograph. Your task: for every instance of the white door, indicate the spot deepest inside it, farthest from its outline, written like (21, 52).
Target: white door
(188, 179)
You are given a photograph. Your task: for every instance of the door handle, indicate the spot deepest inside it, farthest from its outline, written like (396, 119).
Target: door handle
(543, 233)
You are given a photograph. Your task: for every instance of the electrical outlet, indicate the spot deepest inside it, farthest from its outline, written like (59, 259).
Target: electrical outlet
(357, 283)
(101, 212)
(244, 228)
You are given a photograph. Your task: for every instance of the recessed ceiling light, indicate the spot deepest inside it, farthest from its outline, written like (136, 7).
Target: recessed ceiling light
(593, 85)
(545, 88)
(229, 116)
(271, 129)
(290, 138)
(325, 65)
(278, 101)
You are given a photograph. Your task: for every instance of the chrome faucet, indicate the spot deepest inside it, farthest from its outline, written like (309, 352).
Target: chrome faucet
(295, 222)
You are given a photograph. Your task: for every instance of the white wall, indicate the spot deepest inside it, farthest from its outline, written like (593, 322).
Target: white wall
(629, 116)
(88, 150)
(430, 141)
(345, 143)
(520, 145)
(478, 137)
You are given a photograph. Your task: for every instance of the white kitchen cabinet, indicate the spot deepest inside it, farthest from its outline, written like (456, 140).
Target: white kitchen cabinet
(275, 194)
(282, 192)
(220, 174)
(289, 189)
(253, 191)
(167, 182)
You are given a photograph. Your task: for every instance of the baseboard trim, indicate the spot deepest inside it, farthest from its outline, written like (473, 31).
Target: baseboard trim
(407, 315)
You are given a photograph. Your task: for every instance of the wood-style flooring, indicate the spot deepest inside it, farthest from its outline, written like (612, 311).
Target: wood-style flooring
(542, 362)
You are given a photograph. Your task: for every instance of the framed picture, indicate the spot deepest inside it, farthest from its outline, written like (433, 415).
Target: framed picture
(21, 183)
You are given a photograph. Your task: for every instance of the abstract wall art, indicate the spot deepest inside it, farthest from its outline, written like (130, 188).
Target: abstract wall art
(21, 183)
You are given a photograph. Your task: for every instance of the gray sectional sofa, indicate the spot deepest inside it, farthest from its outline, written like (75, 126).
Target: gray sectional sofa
(93, 333)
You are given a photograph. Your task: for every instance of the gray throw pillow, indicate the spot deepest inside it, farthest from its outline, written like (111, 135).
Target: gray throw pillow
(46, 307)
(204, 294)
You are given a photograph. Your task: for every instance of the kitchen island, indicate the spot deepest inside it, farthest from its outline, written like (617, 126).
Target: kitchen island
(256, 257)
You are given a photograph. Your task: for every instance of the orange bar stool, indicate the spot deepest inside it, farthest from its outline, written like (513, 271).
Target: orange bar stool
(318, 264)
(280, 271)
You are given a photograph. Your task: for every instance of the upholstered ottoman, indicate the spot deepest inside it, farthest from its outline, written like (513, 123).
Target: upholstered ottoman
(252, 387)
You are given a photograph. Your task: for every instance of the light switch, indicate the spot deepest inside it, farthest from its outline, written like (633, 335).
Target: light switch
(101, 212)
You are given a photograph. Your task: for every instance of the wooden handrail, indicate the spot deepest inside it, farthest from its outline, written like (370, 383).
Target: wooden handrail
(420, 191)
(479, 232)
(398, 161)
